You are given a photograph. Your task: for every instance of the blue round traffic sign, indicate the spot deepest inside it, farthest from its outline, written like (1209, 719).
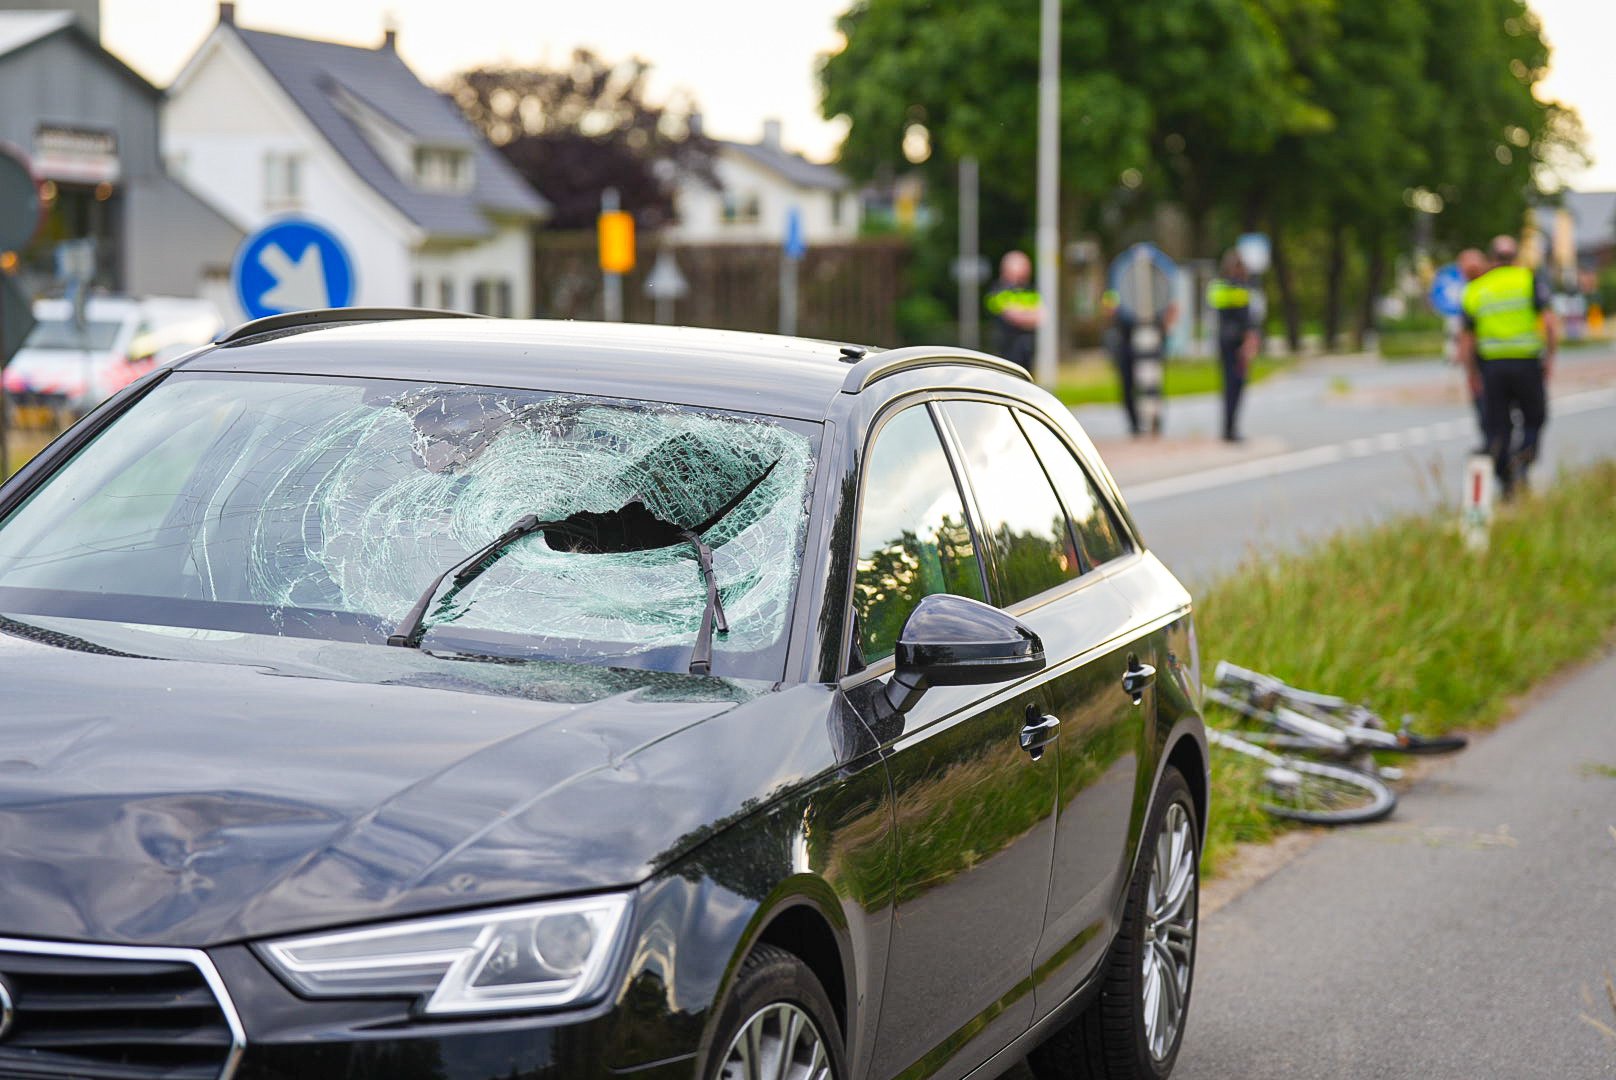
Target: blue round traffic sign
(1447, 291)
(292, 264)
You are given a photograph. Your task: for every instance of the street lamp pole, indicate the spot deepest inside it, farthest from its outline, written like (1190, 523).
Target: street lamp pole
(1046, 352)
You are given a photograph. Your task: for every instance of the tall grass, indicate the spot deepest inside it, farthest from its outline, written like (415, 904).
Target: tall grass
(1402, 617)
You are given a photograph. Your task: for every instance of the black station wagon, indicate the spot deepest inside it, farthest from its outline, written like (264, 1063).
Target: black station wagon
(393, 695)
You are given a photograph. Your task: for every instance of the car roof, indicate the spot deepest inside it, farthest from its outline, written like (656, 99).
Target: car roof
(758, 373)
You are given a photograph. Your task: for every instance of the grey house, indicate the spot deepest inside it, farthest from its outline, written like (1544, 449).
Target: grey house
(89, 126)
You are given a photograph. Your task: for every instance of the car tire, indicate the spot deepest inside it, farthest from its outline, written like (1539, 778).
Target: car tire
(777, 1003)
(1113, 1038)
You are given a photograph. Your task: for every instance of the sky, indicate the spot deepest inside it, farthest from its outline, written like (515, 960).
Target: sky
(743, 60)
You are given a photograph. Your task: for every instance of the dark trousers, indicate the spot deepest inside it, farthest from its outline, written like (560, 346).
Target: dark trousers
(1508, 386)
(1122, 356)
(1014, 344)
(1234, 383)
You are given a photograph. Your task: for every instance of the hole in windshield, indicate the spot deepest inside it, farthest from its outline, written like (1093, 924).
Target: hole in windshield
(324, 509)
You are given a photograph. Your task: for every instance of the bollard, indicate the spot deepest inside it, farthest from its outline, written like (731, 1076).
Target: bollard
(1477, 517)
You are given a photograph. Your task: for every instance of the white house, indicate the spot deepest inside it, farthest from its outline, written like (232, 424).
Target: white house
(759, 185)
(265, 125)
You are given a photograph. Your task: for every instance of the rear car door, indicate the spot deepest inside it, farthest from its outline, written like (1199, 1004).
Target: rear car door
(975, 813)
(1051, 556)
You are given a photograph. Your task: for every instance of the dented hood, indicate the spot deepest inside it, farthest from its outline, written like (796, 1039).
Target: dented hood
(173, 787)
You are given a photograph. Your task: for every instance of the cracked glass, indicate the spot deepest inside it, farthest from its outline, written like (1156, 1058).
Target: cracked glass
(324, 507)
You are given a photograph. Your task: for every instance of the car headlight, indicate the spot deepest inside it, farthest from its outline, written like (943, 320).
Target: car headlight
(538, 956)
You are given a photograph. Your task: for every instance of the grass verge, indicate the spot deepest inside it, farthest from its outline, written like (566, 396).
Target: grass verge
(1402, 617)
(1094, 382)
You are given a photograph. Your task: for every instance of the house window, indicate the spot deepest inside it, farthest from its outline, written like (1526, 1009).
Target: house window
(836, 209)
(742, 209)
(492, 296)
(446, 297)
(283, 180)
(417, 292)
(439, 169)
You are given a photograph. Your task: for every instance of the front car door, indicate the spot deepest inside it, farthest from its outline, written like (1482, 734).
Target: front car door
(1052, 557)
(974, 812)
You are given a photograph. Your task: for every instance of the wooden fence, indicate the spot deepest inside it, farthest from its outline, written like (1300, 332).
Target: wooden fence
(846, 292)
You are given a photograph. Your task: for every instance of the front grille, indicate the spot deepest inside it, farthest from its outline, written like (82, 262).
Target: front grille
(113, 1014)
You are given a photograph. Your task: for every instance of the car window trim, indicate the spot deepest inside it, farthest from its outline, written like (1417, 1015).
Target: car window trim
(918, 399)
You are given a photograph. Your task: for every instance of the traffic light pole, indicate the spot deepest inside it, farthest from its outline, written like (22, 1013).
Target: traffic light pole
(611, 291)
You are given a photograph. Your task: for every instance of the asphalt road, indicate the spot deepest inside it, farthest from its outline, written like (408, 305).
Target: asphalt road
(1458, 939)
(1454, 941)
(1337, 445)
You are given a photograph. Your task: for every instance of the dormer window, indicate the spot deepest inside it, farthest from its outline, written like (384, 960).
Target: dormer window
(442, 169)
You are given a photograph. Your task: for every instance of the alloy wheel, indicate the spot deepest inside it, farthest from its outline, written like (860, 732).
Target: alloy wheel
(778, 1042)
(1169, 932)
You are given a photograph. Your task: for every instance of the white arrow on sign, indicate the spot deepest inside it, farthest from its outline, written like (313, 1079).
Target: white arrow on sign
(299, 284)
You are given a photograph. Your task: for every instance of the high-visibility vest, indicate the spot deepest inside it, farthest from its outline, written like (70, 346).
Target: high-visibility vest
(1502, 305)
(1001, 300)
(1224, 295)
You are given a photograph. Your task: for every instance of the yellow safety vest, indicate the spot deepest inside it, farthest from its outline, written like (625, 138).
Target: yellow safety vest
(1503, 306)
(1001, 300)
(1222, 295)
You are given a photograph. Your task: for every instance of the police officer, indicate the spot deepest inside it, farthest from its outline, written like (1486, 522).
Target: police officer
(1509, 357)
(1231, 295)
(1015, 308)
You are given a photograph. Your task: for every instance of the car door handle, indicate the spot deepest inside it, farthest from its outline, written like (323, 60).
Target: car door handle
(1039, 733)
(1137, 679)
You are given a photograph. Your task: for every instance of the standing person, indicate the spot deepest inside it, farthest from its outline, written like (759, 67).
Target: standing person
(1016, 309)
(1118, 339)
(1509, 356)
(1472, 264)
(1230, 295)
(1139, 305)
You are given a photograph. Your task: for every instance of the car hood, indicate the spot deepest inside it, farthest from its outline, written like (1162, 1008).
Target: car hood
(173, 787)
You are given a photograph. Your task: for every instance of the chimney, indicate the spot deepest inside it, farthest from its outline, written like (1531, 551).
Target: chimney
(771, 134)
(390, 32)
(227, 13)
(693, 125)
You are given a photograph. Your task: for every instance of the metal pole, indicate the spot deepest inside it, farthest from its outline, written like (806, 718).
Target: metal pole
(1047, 350)
(611, 295)
(970, 315)
(788, 295)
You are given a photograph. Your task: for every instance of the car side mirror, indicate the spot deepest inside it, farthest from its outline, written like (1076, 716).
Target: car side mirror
(956, 641)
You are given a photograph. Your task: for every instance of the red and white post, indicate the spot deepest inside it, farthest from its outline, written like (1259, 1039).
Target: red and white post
(1477, 518)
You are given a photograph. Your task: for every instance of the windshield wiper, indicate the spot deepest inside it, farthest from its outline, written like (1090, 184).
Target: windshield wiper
(408, 631)
(631, 528)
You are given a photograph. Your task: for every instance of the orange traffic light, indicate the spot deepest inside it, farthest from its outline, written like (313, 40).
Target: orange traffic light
(616, 242)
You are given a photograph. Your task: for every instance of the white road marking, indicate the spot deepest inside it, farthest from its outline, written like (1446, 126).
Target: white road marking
(1318, 456)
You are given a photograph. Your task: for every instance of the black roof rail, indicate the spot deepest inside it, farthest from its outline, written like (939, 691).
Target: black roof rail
(315, 317)
(879, 365)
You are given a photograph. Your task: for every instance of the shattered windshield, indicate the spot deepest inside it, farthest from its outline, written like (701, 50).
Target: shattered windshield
(323, 508)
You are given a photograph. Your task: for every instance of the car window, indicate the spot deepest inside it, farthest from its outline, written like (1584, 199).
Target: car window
(1022, 521)
(323, 507)
(913, 536)
(1098, 530)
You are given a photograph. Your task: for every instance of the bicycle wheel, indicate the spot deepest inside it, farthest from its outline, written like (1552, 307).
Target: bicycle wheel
(1319, 794)
(1410, 743)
